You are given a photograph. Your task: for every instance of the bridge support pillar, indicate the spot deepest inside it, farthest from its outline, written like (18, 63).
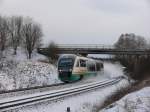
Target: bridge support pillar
(136, 64)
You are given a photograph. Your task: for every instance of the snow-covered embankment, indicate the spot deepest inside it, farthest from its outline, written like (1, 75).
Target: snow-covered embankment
(138, 101)
(87, 102)
(24, 74)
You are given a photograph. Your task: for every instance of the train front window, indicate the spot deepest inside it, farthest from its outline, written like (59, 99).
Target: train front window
(66, 62)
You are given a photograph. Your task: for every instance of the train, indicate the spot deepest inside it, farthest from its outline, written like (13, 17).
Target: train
(74, 67)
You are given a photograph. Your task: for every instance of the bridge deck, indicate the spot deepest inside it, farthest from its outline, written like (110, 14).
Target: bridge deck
(95, 49)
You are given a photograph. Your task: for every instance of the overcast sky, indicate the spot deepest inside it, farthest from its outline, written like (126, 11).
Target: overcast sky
(84, 21)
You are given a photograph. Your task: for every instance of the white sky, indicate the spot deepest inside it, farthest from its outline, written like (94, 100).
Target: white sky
(84, 21)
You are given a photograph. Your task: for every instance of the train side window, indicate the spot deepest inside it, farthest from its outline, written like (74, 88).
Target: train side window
(98, 66)
(82, 63)
(91, 66)
(77, 65)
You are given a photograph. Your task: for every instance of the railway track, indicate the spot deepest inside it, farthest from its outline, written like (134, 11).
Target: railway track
(31, 88)
(17, 102)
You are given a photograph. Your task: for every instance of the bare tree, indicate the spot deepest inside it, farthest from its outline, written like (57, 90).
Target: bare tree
(4, 34)
(136, 65)
(131, 41)
(15, 28)
(32, 35)
(52, 52)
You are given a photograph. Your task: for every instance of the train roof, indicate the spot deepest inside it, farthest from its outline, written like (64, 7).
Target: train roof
(68, 56)
(77, 56)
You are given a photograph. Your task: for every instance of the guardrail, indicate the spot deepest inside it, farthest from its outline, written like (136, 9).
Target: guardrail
(85, 46)
(98, 46)
(17, 102)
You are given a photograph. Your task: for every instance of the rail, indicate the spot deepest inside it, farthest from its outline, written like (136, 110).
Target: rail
(17, 102)
(31, 88)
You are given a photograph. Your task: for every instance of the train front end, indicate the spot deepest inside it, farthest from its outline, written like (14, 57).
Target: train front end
(65, 68)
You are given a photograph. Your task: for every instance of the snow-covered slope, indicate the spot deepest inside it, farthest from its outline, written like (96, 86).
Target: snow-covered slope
(22, 55)
(87, 102)
(26, 74)
(16, 71)
(30, 74)
(134, 102)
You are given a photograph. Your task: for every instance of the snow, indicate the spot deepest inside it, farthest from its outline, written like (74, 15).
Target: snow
(19, 72)
(52, 91)
(28, 74)
(138, 101)
(5, 82)
(22, 55)
(87, 102)
(113, 69)
(16, 71)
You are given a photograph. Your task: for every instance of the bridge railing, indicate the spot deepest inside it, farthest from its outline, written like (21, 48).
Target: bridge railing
(94, 46)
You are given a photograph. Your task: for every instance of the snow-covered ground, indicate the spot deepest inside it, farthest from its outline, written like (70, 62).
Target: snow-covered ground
(87, 102)
(19, 72)
(21, 82)
(27, 74)
(134, 102)
(22, 55)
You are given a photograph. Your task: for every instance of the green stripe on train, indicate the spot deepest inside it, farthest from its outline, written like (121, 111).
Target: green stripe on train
(75, 77)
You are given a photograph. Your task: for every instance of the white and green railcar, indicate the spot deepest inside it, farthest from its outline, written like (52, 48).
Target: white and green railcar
(73, 67)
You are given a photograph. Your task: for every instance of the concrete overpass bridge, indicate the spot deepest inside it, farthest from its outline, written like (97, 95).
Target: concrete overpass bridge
(85, 49)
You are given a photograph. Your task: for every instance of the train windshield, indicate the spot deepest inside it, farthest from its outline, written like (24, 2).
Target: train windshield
(66, 62)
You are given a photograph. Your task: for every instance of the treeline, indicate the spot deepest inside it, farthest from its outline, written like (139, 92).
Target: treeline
(137, 66)
(17, 31)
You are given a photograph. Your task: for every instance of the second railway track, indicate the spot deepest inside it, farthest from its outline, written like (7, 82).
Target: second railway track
(17, 102)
